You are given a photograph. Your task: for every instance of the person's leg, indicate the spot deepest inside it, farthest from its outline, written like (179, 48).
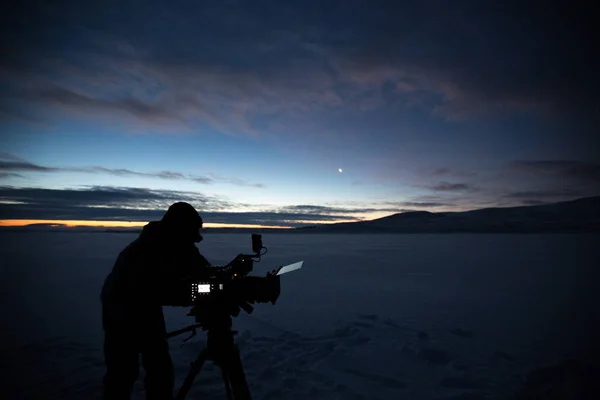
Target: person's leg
(160, 379)
(121, 356)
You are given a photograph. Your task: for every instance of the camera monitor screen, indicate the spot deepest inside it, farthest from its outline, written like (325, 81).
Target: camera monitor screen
(204, 288)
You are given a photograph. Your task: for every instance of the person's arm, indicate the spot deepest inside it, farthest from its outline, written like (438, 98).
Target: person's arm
(182, 267)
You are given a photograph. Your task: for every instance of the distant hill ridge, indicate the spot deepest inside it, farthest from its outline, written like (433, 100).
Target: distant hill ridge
(581, 215)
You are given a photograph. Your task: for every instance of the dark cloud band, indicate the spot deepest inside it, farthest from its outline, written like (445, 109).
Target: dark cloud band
(224, 64)
(12, 163)
(135, 204)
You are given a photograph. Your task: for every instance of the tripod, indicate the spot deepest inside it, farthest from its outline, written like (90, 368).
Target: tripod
(222, 350)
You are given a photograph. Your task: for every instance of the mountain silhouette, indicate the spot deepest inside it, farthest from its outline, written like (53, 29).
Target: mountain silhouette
(582, 215)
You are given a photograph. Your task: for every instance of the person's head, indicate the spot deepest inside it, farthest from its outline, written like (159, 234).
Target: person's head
(181, 223)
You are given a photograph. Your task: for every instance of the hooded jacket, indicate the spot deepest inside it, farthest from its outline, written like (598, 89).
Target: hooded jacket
(150, 269)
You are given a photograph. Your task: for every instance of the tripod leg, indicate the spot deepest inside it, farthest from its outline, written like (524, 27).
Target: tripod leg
(233, 370)
(227, 384)
(189, 379)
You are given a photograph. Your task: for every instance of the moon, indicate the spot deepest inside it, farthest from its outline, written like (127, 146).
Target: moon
(340, 170)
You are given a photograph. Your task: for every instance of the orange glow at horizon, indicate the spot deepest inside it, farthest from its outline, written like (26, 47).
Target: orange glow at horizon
(117, 224)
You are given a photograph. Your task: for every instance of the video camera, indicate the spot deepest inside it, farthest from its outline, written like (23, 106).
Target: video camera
(227, 289)
(215, 297)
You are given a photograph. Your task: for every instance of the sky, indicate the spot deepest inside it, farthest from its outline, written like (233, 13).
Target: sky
(289, 113)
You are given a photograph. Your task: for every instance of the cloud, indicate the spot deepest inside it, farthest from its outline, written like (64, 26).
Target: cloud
(137, 204)
(202, 180)
(103, 196)
(351, 209)
(580, 170)
(25, 166)
(441, 48)
(394, 207)
(464, 200)
(452, 187)
(175, 109)
(536, 197)
(441, 171)
(10, 157)
(9, 175)
(236, 181)
(543, 194)
(533, 202)
(127, 172)
(424, 204)
(307, 208)
(98, 202)
(227, 67)
(64, 97)
(446, 171)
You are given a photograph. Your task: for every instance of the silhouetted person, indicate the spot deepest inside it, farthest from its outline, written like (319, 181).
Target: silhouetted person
(132, 298)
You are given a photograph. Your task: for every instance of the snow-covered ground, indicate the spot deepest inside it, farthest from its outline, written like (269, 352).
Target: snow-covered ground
(368, 316)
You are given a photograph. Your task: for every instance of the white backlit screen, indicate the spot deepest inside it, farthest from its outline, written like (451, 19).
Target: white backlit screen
(203, 288)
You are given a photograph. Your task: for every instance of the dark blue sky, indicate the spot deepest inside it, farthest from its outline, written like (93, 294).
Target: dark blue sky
(248, 109)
